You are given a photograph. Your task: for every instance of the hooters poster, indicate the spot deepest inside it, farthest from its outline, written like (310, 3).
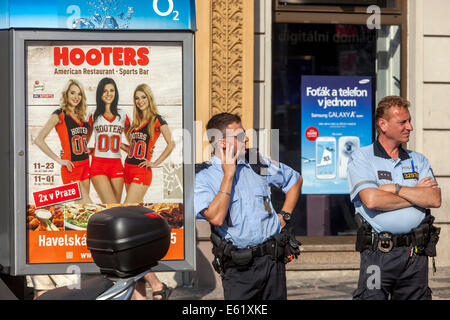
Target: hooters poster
(91, 138)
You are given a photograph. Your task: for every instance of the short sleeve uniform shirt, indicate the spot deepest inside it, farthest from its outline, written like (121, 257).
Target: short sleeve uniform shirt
(251, 219)
(370, 167)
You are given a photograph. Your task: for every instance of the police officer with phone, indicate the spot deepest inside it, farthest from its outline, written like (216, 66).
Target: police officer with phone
(392, 189)
(251, 242)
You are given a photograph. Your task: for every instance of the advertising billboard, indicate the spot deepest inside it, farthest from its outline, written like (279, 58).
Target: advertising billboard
(76, 76)
(336, 119)
(98, 124)
(84, 112)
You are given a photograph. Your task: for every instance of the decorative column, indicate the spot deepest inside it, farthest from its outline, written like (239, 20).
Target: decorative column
(224, 63)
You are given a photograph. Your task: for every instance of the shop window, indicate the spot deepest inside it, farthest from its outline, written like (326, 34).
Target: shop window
(301, 4)
(330, 50)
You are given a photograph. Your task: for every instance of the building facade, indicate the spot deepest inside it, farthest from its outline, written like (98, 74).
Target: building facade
(250, 56)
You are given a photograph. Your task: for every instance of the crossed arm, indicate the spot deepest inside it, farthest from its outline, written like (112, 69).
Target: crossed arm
(426, 195)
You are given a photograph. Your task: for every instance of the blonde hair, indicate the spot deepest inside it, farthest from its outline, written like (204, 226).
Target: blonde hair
(385, 104)
(138, 115)
(80, 109)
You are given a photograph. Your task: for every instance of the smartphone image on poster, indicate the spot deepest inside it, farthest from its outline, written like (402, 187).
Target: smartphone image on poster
(347, 144)
(326, 158)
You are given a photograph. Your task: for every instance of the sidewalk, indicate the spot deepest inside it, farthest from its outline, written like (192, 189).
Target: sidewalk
(329, 288)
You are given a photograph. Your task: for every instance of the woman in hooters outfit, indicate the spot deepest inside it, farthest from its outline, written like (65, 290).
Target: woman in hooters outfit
(145, 129)
(108, 122)
(143, 133)
(73, 132)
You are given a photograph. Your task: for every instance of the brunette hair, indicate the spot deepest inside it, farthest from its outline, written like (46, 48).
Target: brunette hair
(218, 123)
(100, 104)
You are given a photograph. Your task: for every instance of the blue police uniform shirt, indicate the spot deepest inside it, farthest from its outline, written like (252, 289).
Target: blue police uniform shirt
(370, 167)
(248, 221)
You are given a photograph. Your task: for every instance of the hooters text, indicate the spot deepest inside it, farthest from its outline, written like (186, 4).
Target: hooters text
(117, 56)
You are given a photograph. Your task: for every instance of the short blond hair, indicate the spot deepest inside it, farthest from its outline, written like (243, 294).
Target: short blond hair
(385, 104)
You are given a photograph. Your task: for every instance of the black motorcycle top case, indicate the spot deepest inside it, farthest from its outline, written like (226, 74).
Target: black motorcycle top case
(125, 241)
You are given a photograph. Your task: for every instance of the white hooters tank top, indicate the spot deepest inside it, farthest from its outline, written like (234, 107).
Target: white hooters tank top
(108, 134)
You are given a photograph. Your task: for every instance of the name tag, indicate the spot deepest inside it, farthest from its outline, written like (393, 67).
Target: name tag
(386, 175)
(411, 175)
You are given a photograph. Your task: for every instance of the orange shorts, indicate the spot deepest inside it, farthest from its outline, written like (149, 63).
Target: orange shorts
(80, 172)
(110, 167)
(135, 174)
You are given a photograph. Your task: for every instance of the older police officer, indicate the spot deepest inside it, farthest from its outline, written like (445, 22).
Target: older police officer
(234, 198)
(391, 188)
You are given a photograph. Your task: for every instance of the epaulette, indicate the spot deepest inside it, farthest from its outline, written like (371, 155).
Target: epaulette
(200, 166)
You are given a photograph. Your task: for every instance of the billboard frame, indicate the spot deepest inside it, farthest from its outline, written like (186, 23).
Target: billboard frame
(18, 144)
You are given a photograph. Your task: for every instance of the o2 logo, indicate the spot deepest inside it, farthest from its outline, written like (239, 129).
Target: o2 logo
(167, 12)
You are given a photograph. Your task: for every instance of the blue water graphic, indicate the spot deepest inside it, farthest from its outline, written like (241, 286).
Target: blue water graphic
(105, 15)
(98, 14)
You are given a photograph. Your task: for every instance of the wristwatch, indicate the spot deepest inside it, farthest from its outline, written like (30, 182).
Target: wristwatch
(397, 188)
(286, 216)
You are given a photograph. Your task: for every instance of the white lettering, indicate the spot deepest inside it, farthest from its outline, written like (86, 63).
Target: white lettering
(64, 193)
(199, 310)
(66, 240)
(326, 102)
(162, 14)
(374, 281)
(374, 21)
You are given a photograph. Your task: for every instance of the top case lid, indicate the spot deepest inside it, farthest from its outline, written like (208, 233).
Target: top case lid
(121, 228)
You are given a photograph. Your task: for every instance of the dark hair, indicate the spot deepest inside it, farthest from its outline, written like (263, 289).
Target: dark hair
(219, 122)
(385, 104)
(100, 104)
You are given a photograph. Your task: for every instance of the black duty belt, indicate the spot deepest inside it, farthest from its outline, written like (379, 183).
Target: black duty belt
(424, 237)
(385, 241)
(242, 257)
(260, 249)
(282, 246)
